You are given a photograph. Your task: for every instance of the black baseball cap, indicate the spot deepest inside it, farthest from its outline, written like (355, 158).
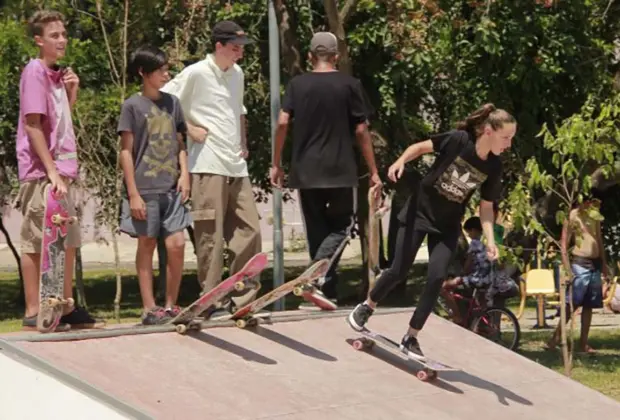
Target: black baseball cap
(228, 31)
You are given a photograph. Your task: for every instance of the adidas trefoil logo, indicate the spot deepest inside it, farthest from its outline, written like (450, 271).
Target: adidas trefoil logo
(462, 180)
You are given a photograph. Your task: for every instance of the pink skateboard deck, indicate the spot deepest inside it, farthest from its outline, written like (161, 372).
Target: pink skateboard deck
(247, 315)
(237, 282)
(51, 282)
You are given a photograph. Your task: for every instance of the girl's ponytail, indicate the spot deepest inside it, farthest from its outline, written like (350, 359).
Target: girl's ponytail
(486, 114)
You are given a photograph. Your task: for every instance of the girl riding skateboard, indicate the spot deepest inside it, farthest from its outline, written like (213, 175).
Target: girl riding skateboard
(467, 159)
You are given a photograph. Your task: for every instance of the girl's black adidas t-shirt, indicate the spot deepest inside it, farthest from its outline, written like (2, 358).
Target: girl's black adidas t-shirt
(451, 181)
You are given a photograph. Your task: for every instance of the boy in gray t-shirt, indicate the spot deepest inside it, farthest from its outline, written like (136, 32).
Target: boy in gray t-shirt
(156, 179)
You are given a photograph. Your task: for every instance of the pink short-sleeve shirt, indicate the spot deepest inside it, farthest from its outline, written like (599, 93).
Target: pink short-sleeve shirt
(41, 91)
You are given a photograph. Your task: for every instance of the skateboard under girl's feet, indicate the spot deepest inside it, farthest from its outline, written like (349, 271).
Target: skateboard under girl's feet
(189, 318)
(430, 367)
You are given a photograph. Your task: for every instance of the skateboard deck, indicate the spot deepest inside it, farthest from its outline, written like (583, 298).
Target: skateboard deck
(430, 367)
(188, 318)
(375, 214)
(51, 281)
(248, 316)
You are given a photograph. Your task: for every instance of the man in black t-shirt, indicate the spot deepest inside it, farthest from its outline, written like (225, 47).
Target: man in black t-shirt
(330, 116)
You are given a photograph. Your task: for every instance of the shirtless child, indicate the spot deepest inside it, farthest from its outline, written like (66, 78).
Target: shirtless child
(587, 265)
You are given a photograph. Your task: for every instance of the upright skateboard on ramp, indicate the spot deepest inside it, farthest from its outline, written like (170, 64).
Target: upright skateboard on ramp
(430, 367)
(247, 315)
(375, 214)
(189, 317)
(52, 278)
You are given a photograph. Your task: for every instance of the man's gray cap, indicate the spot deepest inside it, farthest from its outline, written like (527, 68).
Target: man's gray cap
(324, 42)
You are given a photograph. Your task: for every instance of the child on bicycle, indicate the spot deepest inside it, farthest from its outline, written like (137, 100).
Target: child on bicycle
(477, 268)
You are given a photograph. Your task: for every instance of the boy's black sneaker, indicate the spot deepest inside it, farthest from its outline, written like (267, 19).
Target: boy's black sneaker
(410, 345)
(358, 318)
(79, 318)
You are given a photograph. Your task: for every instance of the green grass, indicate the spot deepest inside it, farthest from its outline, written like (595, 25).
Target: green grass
(100, 289)
(598, 371)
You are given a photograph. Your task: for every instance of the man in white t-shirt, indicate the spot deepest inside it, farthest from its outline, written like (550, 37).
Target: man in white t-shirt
(223, 208)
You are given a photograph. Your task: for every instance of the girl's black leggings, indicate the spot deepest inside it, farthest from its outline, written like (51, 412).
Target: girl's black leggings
(441, 248)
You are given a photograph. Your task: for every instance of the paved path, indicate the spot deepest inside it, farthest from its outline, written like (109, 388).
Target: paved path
(308, 370)
(101, 256)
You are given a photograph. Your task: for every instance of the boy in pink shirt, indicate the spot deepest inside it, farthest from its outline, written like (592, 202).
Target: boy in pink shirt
(46, 153)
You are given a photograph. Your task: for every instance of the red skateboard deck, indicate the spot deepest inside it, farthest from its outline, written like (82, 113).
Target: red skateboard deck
(247, 315)
(51, 282)
(237, 282)
(430, 367)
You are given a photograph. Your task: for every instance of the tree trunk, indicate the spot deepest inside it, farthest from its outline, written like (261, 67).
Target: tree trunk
(79, 279)
(336, 22)
(79, 272)
(289, 45)
(190, 232)
(119, 284)
(566, 352)
(162, 257)
(21, 297)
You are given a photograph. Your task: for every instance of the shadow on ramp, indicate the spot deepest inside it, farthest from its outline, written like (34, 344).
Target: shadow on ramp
(242, 352)
(503, 394)
(400, 363)
(292, 344)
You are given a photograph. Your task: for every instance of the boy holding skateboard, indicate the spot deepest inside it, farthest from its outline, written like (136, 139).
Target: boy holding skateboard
(330, 116)
(46, 154)
(154, 162)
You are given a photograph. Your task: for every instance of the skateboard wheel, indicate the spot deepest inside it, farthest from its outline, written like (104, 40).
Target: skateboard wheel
(239, 286)
(358, 344)
(423, 375)
(52, 302)
(70, 302)
(241, 323)
(298, 291)
(181, 328)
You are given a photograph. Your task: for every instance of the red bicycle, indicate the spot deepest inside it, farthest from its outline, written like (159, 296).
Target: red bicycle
(495, 323)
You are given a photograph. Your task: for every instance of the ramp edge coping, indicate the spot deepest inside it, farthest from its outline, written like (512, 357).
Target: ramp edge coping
(276, 317)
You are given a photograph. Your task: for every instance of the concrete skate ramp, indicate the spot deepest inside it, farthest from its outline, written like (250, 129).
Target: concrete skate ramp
(308, 370)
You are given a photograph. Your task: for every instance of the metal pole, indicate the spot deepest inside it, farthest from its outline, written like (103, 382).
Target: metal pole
(274, 83)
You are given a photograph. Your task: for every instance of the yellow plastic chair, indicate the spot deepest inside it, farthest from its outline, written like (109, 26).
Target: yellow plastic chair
(539, 283)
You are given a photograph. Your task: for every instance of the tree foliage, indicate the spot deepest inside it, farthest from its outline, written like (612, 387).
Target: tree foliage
(425, 64)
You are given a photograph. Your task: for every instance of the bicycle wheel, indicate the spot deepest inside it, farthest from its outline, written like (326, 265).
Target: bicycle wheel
(499, 325)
